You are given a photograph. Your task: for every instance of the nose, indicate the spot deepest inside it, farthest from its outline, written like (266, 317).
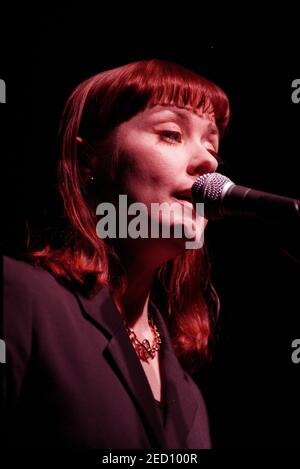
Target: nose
(201, 162)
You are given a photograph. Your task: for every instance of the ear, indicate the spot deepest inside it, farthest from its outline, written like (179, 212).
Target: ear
(85, 160)
(84, 152)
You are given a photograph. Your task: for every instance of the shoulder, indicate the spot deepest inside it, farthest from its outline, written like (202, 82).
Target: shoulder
(36, 315)
(32, 294)
(23, 273)
(23, 278)
(36, 306)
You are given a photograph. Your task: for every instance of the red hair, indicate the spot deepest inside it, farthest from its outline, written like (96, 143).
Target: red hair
(93, 110)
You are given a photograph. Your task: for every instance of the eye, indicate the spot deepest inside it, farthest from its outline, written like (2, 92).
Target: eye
(172, 136)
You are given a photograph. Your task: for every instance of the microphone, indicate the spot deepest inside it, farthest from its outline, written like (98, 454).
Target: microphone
(222, 198)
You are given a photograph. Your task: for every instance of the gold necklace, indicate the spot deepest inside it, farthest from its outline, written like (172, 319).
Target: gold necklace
(143, 349)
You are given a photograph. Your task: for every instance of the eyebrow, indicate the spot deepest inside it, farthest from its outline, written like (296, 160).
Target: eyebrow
(212, 128)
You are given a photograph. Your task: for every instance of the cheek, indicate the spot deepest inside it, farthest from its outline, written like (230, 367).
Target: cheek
(145, 172)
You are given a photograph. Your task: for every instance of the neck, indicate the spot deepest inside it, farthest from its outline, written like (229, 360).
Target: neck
(140, 261)
(133, 301)
(140, 265)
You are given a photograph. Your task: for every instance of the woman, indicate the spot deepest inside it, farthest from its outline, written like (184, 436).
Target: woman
(93, 324)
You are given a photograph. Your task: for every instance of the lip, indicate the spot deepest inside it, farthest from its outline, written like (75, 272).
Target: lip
(185, 202)
(185, 195)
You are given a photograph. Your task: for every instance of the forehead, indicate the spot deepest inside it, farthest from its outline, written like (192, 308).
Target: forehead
(189, 116)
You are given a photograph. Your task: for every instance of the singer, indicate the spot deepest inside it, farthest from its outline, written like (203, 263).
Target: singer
(102, 334)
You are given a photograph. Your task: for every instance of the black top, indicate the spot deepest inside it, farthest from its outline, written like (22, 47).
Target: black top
(72, 378)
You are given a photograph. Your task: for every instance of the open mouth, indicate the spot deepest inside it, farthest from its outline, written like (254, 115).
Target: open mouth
(184, 198)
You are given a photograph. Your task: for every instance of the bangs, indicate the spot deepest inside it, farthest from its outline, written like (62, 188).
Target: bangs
(117, 95)
(189, 91)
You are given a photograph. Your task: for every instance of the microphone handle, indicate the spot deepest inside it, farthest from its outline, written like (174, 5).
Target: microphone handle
(242, 201)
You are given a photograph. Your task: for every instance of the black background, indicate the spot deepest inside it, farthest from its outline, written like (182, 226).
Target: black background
(251, 386)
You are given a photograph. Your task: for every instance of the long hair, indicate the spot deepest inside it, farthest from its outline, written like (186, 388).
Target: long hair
(79, 257)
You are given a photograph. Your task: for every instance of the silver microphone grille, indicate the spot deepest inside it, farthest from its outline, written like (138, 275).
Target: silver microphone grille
(209, 187)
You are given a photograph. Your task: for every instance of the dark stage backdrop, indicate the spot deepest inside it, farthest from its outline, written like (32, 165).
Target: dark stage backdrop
(252, 385)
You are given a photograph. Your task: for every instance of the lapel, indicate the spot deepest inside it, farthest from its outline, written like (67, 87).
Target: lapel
(102, 312)
(181, 404)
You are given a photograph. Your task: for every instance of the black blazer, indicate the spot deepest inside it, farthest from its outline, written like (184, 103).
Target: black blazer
(72, 378)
